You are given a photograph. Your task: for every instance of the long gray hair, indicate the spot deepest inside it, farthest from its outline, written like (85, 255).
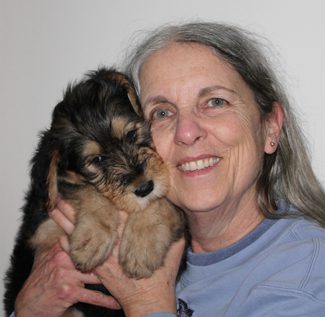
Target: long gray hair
(287, 174)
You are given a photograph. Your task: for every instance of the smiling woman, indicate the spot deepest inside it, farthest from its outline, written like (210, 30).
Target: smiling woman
(223, 124)
(210, 116)
(222, 121)
(241, 52)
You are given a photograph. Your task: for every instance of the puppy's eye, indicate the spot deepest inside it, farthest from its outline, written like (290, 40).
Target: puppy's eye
(98, 159)
(131, 136)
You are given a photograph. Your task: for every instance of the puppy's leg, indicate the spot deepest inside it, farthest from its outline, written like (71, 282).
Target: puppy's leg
(147, 237)
(96, 229)
(46, 235)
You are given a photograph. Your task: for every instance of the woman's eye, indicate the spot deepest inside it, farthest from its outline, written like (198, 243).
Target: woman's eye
(216, 102)
(160, 114)
(131, 136)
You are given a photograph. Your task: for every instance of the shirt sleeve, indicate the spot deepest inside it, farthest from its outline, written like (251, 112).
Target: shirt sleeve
(12, 314)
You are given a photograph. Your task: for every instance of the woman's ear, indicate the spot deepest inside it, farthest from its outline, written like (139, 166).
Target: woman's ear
(273, 126)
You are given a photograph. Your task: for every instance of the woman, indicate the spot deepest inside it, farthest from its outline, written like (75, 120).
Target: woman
(240, 171)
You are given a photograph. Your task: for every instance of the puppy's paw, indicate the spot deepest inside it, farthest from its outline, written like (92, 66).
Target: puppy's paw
(140, 260)
(148, 236)
(90, 246)
(143, 252)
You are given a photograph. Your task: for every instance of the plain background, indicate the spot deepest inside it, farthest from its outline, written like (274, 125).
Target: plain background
(46, 44)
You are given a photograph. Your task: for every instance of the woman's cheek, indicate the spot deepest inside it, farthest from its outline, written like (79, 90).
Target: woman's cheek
(162, 141)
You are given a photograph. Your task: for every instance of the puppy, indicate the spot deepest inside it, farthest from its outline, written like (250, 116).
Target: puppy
(99, 156)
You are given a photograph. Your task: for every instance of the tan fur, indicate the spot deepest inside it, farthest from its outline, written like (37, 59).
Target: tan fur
(132, 95)
(47, 234)
(71, 312)
(118, 125)
(153, 222)
(96, 229)
(73, 178)
(141, 256)
(91, 148)
(52, 180)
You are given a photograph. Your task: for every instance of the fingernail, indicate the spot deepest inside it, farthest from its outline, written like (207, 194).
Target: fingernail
(52, 211)
(58, 199)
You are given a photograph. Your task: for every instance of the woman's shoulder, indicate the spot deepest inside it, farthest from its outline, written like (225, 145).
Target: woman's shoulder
(293, 226)
(297, 257)
(303, 229)
(289, 273)
(284, 263)
(299, 237)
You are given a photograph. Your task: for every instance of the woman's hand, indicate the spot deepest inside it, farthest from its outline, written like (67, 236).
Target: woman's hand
(54, 284)
(137, 297)
(144, 296)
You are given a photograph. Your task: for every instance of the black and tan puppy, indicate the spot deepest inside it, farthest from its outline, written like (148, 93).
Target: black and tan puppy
(98, 155)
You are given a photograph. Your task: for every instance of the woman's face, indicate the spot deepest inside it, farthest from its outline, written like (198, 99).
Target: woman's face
(205, 124)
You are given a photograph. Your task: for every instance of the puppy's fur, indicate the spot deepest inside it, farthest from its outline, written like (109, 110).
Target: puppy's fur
(98, 155)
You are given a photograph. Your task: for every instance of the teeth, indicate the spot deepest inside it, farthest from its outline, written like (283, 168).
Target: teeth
(199, 164)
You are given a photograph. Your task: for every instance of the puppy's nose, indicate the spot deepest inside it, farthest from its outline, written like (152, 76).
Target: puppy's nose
(144, 189)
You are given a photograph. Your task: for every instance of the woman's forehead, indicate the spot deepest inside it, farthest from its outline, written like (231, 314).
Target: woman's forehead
(181, 65)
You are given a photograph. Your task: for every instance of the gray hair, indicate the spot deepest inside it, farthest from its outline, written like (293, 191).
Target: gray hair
(287, 174)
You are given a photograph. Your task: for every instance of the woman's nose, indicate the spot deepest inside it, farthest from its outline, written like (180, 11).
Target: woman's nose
(188, 129)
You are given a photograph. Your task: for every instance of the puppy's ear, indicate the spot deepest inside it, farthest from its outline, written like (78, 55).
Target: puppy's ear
(134, 100)
(52, 180)
(129, 87)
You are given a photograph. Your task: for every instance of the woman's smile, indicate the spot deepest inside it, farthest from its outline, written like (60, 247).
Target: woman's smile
(200, 164)
(205, 124)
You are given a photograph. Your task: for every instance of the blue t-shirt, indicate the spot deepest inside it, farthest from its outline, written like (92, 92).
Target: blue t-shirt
(276, 270)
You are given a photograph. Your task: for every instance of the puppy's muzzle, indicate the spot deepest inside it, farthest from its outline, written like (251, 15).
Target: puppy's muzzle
(144, 189)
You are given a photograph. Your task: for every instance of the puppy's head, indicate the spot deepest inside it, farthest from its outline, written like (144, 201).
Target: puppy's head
(100, 139)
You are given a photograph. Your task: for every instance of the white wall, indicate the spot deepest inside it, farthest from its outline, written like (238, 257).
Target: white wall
(45, 44)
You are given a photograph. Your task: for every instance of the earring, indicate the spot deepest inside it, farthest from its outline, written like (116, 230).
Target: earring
(272, 143)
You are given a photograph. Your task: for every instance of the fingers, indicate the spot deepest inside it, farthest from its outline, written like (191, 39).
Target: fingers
(64, 243)
(66, 209)
(54, 256)
(88, 278)
(58, 260)
(54, 284)
(63, 215)
(175, 254)
(98, 298)
(123, 216)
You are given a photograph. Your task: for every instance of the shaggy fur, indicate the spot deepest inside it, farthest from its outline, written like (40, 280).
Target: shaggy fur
(98, 155)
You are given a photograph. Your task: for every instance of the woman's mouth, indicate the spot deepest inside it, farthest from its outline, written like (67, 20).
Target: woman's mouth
(200, 164)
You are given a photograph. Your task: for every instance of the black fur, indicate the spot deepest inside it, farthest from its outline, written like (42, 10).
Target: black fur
(83, 105)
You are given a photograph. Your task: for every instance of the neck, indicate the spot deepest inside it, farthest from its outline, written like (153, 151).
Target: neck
(220, 228)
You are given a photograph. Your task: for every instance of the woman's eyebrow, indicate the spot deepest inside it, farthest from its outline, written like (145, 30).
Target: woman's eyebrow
(203, 92)
(208, 90)
(155, 100)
